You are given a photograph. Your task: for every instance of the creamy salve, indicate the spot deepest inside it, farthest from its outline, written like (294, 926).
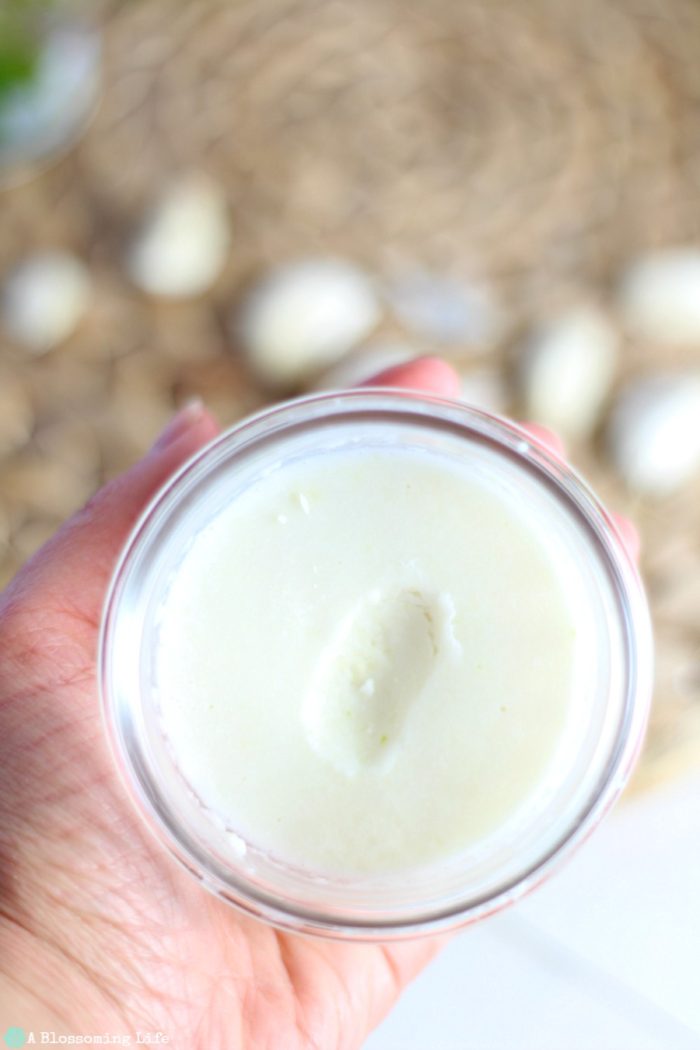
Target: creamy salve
(367, 660)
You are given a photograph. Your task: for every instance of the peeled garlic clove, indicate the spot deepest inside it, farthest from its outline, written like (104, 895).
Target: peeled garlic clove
(660, 297)
(566, 371)
(305, 316)
(183, 244)
(360, 366)
(484, 388)
(44, 299)
(654, 433)
(444, 310)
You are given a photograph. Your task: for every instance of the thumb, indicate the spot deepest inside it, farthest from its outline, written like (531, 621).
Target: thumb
(72, 571)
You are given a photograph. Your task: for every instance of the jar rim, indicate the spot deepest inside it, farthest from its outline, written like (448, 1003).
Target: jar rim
(356, 408)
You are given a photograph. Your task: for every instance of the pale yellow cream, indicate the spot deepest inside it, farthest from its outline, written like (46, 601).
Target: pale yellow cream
(366, 661)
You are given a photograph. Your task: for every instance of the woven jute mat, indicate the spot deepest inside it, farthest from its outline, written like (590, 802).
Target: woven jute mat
(539, 146)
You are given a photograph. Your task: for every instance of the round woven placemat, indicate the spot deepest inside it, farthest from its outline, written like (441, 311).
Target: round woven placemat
(538, 146)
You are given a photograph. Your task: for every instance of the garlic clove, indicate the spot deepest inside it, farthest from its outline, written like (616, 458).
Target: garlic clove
(184, 241)
(44, 299)
(659, 297)
(653, 436)
(305, 316)
(443, 310)
(361, 365)
(566, 370)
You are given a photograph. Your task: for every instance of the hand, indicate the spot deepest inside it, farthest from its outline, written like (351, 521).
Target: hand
(101, 931)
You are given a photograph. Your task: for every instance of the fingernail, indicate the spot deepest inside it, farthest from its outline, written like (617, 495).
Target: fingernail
(179, 424)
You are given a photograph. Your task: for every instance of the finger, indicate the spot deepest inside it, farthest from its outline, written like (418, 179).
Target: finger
(628, 531)
(547, 438)
(629, 534)
(73, 569)
(431, 375)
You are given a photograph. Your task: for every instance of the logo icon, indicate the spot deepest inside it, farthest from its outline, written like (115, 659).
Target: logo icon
(15, 1037)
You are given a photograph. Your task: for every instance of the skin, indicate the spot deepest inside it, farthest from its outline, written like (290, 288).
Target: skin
(100, 930)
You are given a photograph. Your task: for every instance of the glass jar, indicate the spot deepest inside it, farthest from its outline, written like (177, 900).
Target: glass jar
(49, 81)
(609, 707)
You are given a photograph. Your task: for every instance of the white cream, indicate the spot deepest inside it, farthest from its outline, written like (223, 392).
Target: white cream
(366, 661)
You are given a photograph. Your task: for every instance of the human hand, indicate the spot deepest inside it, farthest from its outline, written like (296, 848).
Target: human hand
(101, 931)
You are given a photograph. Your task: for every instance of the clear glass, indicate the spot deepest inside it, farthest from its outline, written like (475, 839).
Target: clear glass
(49, 81)
(601, 742)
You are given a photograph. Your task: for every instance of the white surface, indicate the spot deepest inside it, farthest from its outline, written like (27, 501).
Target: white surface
(605, 956)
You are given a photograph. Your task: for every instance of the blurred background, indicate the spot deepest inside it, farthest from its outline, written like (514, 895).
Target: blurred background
(245, 199)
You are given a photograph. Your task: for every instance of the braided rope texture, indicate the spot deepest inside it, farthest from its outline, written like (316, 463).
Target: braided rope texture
(538, 146)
